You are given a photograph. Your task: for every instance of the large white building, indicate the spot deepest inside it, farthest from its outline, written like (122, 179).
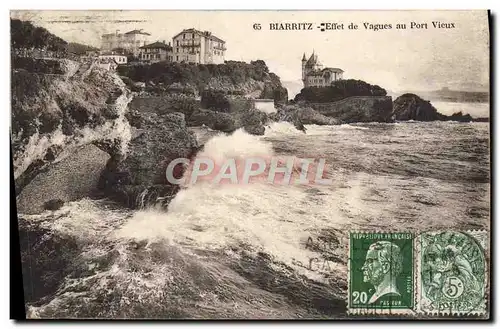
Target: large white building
(193, 46)
(314, 75)
(130, 41)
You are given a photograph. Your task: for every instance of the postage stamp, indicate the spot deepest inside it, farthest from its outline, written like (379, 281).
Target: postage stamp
(452, 273)
(381, 273)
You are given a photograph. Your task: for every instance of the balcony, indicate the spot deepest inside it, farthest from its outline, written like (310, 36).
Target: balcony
(189, 44)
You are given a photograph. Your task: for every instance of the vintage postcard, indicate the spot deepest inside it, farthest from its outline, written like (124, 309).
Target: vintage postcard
(251, 164)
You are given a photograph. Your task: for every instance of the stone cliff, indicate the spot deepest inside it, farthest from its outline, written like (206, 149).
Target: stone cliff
(53, 116)
(71, 139)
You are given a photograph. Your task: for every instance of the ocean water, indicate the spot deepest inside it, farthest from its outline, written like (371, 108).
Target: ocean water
(263, 250)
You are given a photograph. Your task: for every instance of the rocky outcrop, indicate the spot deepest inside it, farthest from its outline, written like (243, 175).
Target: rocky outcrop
(460, 117)
(53, 116)
(253, 121)
(357, 109)
(412, 107)
(301, 116)
(224, 122)
(139, 178)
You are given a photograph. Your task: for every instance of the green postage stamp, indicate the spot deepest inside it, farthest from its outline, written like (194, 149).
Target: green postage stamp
(381, 273)
(433, 273)
(452, 273)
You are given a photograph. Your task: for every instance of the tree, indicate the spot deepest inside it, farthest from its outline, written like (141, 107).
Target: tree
(26, 35)
(339, 90)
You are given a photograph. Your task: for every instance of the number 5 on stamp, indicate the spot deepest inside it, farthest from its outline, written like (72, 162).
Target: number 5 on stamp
(452, 273)
(381, 273)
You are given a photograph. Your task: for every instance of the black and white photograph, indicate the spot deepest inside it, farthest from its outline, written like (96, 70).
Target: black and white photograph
(251, 165)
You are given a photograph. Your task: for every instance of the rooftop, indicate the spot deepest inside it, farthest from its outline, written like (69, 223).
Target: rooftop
(206, 34)
(141, 31)
(333, 69)
(156, 45)
(325, 70)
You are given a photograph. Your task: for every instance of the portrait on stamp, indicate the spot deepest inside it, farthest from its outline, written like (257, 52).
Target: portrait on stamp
(382, 266)
(381, 270)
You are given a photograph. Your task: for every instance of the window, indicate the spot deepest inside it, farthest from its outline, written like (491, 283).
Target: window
(177, 43)
(177, 58)
(183, 36)
(193, 35)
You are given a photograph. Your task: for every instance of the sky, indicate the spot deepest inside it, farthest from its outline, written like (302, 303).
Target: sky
(396, 59)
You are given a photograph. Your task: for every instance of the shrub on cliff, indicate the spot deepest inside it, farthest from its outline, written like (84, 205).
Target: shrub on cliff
(339, 90)
(26, 35)
(36, 65)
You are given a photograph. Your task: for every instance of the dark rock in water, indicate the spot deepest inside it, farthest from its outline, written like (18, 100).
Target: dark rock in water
(258, 130)
(411, 107)
(139, 179)
(253, 121)
(300, 126)
(309, 116)
(53, 204)
(224, 122)
(46, 259)
(301, 116)
(74, 177)
(459, 116)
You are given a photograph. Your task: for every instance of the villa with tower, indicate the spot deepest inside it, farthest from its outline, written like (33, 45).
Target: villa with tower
(314, 75)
